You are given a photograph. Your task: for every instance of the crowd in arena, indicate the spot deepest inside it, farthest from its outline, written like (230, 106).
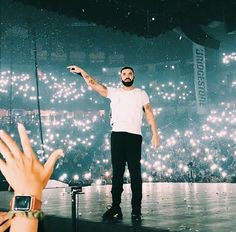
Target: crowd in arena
(194, 148)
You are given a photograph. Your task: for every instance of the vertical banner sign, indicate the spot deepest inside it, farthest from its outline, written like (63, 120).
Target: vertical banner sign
(200, 78)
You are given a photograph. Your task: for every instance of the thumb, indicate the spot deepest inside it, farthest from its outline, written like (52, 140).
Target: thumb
(49, 165)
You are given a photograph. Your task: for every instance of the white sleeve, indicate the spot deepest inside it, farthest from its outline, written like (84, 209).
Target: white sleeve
(110, 92)
(145, 98)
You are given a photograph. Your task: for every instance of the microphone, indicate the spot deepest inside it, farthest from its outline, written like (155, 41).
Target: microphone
(77, 73)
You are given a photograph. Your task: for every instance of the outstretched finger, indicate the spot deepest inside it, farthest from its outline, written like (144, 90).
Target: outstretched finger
(49, 165)
(10, 144)
(71, 68)
(25, 142)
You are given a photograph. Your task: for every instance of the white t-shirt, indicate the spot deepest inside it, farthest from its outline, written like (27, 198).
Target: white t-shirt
(127, 109)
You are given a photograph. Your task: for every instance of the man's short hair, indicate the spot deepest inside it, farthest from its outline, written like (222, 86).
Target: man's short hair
(127, 67)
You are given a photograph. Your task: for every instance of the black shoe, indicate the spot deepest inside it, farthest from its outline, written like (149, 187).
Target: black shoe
(113, 213)
(136, 214)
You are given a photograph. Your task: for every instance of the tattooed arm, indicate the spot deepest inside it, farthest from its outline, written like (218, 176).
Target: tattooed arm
(101, 89)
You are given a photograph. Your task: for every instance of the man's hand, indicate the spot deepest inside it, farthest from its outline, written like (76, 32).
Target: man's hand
(155, 141)
(100, 88)
(76, 70)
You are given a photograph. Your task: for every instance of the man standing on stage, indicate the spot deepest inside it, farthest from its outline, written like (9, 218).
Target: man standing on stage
(127, 106)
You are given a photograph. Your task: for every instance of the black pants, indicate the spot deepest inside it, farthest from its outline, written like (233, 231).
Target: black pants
(126, 147)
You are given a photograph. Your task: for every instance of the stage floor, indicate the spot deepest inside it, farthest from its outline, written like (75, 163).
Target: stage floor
(208, 207)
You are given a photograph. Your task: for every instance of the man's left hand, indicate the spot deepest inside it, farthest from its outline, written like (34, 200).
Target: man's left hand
(155, 141)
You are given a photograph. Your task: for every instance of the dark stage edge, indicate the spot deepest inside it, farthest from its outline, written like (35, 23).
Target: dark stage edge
(198, 207)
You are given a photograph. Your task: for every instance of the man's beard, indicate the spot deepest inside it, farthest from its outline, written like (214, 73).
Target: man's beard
(128, 83)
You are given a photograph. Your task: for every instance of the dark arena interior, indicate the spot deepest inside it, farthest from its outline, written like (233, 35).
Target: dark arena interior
(183, 53)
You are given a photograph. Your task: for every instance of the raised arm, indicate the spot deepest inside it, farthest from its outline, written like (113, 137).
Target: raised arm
(151, 121)
(101, 89)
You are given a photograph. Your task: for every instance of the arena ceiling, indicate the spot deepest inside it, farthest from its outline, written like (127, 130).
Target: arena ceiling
(150, 18)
